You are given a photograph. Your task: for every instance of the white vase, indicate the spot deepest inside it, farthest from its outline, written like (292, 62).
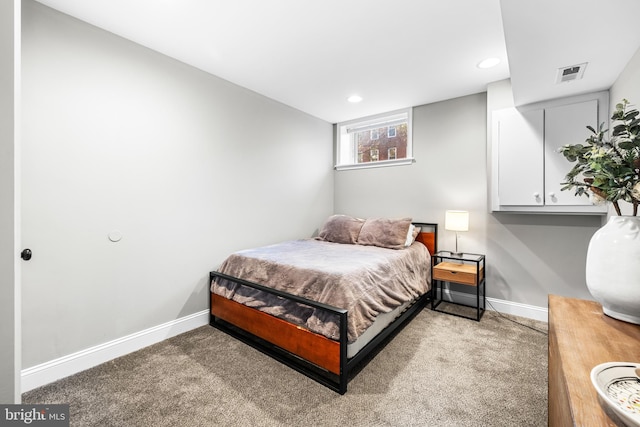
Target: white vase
(613, 268)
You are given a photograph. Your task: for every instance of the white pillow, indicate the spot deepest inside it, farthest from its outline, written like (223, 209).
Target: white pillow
(410, 237)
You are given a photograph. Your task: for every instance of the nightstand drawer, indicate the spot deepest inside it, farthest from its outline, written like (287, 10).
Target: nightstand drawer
(459, 273)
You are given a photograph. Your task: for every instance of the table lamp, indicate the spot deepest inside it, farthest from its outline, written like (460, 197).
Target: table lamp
(456, 221)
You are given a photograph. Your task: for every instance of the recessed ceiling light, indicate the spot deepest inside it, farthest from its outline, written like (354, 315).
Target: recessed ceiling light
(489, 62)
(354, 98)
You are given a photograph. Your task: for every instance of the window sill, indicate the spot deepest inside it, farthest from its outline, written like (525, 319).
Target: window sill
(380, 164)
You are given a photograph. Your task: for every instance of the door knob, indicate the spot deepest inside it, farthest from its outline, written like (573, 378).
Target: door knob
(26, 254)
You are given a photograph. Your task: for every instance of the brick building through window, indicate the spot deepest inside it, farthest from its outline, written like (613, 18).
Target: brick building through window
(383, 143)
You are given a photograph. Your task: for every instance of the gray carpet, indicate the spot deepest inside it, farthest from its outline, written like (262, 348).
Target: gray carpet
(440, 370)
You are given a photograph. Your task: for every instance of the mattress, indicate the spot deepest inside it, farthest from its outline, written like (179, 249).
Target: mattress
(382, 321)
(368, 281)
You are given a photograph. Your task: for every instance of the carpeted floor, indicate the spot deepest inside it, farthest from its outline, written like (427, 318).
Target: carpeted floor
(440, 370)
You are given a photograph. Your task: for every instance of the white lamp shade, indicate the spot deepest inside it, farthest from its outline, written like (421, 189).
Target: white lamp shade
(456, 221)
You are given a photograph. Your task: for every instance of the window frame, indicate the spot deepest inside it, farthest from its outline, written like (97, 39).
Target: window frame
(346, 152)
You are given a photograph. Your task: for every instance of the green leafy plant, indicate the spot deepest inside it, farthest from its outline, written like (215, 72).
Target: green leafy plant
(608, 169)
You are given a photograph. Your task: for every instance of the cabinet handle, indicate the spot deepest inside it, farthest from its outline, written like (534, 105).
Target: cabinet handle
(552, 194)
(536, 194)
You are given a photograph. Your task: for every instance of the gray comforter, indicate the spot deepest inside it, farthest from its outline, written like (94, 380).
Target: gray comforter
(364, 280)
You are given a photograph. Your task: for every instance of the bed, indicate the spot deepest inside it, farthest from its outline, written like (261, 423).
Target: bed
(324, 305)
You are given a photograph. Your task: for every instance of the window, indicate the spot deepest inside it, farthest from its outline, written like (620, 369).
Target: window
(382, 140)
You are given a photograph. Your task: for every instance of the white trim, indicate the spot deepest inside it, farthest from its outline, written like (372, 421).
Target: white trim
(378, 120)
(17, 196)
(345, 149)
(518, 309)
(378, 164)
(53, 370)
(499, 305)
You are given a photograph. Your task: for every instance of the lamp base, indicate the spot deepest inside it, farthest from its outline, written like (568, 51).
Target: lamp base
(456, 253)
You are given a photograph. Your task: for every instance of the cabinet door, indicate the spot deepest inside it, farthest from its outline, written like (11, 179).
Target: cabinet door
(520, 156)
(565, 125)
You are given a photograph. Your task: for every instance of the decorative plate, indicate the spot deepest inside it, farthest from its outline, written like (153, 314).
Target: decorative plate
(618, 386)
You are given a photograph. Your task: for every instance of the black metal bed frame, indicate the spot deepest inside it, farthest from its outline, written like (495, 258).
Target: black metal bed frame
(348, 367)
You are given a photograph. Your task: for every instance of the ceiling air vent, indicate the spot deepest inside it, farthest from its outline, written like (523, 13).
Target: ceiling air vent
(569, 74)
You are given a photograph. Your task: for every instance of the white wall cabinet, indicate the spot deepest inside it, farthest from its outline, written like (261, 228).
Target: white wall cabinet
(527, 168)
(520, 141)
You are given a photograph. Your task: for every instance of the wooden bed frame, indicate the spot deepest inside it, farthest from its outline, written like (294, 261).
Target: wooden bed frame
(312, 354)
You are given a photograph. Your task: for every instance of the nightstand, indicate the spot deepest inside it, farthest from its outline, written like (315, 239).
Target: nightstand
(464, 269)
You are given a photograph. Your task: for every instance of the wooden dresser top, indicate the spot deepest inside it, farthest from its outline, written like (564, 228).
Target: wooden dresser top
(584, 337)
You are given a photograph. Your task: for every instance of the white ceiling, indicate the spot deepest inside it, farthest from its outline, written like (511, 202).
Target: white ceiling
(314, 54)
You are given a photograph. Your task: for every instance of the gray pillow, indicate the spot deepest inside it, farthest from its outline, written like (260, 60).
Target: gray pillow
(385, 232)
(341, 229)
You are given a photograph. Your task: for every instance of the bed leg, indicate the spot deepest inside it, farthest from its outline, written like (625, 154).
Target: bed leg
(344, 370)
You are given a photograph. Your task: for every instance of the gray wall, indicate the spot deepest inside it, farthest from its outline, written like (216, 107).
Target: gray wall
(9, 239)
(449, 172)
(528, 256)
(627, 87)
(188, 167)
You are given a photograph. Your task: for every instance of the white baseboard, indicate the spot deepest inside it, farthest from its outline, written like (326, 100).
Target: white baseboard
(518, 309)
(502, 306)
(53, 370)
(47, 372)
